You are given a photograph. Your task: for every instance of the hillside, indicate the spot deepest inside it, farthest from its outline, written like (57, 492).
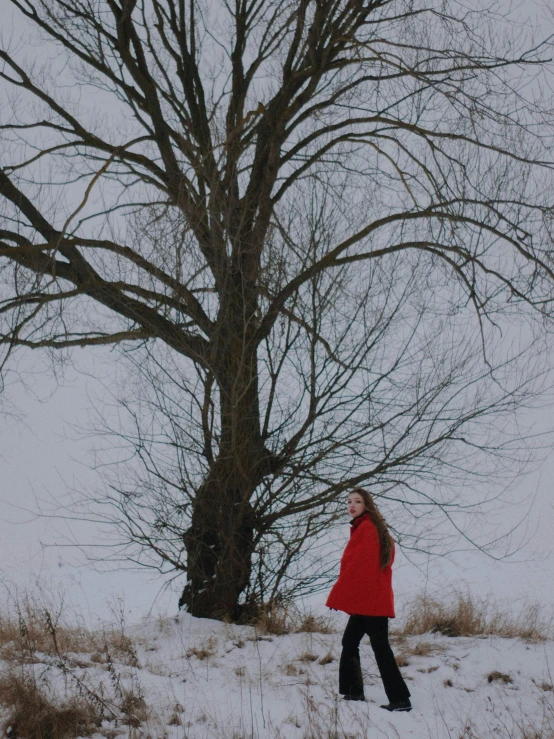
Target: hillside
(193, 678)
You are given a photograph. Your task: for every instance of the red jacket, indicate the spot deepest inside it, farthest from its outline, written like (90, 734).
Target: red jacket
(363, 588)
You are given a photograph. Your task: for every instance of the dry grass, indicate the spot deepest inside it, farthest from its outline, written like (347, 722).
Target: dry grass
(307, 657)
(200, 653)
(35, 639)
(121, 647)
(273, 619)
(402, 659)
(34, 714)
(30, 628)
(327, 659)
(318, 724)
(292, 670)
(133, 707)
(466, 615)
(175, 720)
(311, 624)
(428, 670)
(424, 649)
(285, 618)
(500, 677)
(401, 648)
(205, 651)
(33, 627)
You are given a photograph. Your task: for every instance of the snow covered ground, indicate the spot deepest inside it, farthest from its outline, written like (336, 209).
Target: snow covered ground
(246, 684)
(203, 679)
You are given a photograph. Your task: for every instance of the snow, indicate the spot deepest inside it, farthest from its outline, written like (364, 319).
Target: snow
(254, 685)
(206, 679)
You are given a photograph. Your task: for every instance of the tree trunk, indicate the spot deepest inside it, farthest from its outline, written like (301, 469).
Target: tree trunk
(220, 540)
(219, 546)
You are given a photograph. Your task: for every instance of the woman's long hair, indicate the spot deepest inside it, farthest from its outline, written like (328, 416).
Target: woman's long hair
(385, 539)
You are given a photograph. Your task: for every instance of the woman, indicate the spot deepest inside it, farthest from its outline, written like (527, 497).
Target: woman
(364, 591)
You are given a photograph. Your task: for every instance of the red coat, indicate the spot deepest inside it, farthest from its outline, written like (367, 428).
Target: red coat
(363, 588)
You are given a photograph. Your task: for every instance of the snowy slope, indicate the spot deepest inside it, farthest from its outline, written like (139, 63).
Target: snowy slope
(202, 679)
(254, 685)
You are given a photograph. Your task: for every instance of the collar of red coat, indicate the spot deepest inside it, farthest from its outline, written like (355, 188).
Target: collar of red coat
(358, 520)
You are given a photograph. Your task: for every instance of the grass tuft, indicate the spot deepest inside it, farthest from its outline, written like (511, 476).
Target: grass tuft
(273, 619)
(285, 618)
(311, 624)
(307, 657)
(33, 714)
(327, 659)
(466, 615)
(424, 649)
(496, 676)
(29, 627)
(207, 650)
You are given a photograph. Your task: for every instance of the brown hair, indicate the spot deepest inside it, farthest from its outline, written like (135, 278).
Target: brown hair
(385, 539)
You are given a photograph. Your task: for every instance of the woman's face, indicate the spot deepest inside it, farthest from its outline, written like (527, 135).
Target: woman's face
(355, 505)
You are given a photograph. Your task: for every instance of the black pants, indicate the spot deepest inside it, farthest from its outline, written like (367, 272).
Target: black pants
(350, 672)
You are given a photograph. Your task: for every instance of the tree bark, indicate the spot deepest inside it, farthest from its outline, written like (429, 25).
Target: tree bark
(220, 541)
(219, 545)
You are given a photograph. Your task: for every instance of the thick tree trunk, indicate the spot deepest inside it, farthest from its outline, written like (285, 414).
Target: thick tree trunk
(219, 546)
(219, 542)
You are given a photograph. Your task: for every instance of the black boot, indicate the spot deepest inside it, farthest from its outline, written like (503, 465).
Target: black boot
(400, 706)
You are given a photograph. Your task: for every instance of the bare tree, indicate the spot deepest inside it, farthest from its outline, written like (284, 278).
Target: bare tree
(313, 221)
